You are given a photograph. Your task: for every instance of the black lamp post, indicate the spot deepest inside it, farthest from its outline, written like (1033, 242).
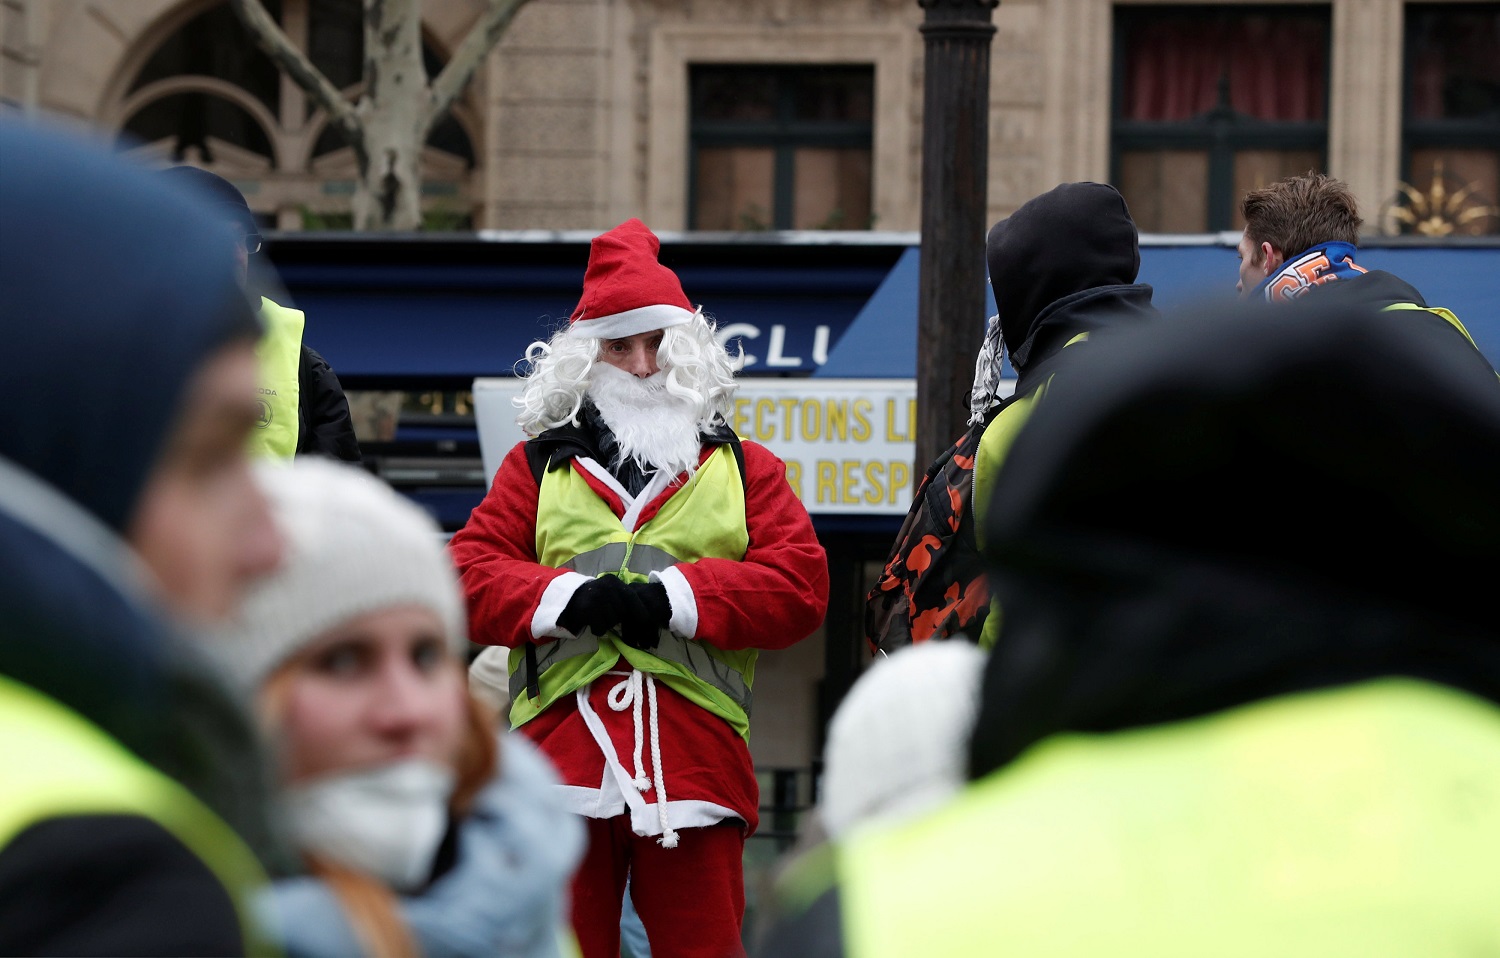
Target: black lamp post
(955, 153)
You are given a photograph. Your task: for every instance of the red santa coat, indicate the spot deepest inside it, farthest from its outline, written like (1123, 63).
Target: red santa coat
(776, 596)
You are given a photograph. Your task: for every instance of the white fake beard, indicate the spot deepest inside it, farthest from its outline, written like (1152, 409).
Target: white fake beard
(652, 426)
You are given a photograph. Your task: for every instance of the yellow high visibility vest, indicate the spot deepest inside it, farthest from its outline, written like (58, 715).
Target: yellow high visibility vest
(994, 446)
(577, 530)
(1356, 822)
(280, 353)
(58, 764)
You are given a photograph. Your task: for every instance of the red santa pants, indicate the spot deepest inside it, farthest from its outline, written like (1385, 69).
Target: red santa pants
(690, 898)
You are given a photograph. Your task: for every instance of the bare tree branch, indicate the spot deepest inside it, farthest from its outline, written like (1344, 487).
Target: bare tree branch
(482, 37)
(297, 66)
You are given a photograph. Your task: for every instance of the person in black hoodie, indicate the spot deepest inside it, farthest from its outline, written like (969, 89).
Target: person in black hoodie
(322, 424)
(133, 816)
(1063, 268)
(1300, 237)
(1246, 698)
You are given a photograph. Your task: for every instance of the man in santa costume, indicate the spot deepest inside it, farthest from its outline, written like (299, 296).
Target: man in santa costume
(635, 555)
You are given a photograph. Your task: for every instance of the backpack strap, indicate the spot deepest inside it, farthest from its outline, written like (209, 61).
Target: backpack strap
(736, 447)
(538, 457)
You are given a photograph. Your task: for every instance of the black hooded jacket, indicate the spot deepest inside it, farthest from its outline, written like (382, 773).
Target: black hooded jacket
(1062, 266)
(324, 426)
(116, 291)
(1064, 263)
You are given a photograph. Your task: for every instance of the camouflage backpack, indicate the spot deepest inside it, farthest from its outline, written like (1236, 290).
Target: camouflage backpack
(934, 583)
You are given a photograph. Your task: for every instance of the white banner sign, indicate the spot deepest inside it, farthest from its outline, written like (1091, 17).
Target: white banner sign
(847, 443)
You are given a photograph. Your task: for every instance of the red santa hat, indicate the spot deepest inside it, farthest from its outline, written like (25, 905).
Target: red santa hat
(626, 290)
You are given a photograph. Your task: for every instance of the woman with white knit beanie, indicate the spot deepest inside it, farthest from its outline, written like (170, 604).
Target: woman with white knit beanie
(421, 831)
(898, 742)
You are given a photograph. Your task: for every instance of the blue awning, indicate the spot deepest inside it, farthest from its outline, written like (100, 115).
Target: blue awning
(387, 312)
(450, 309)
(881, 341)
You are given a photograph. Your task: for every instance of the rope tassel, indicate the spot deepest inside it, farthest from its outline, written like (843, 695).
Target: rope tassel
(628, 694)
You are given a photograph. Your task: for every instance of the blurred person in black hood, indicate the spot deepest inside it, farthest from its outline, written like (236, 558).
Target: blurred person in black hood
(133, 812)
(303, 407)
(1063, 268)
(1246, 696)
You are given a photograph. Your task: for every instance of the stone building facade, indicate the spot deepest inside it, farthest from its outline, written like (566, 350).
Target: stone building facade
(734, 114)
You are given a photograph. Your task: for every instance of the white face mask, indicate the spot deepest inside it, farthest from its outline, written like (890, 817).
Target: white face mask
(386, 821)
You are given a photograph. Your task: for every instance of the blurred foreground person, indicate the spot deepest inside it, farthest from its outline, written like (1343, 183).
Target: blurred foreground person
(897, 747)
(1244, 701)
(303, 409)
(126, 503)
(416, 841)
(898, 743)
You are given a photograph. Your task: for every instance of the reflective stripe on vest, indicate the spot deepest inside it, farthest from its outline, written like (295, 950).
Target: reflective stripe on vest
(1359, 820)
(57, 764)
(280, 355)
(615, 557)
(1447, 315)
(577, 530)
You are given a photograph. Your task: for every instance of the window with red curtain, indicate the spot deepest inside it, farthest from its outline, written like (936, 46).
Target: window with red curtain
(1210, 102)
(1451, 122)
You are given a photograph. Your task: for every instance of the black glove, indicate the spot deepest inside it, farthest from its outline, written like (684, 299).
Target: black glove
(598, 606)
(647, 615)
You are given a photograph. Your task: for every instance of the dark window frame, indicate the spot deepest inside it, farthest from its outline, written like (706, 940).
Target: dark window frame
(1220, 131)
(784, 134)
(1463, 134)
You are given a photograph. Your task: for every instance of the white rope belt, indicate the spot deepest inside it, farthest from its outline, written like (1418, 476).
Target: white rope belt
(627, 694)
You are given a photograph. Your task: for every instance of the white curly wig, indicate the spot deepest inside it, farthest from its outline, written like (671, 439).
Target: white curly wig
(699, 370)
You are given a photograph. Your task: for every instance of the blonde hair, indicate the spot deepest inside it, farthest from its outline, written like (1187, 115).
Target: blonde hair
(369, 903)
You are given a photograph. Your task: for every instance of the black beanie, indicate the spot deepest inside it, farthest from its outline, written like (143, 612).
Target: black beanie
(224, 196)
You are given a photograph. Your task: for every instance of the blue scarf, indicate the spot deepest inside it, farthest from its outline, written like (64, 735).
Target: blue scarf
(1323, 263)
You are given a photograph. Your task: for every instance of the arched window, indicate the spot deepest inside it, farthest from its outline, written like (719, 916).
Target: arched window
(208, 95)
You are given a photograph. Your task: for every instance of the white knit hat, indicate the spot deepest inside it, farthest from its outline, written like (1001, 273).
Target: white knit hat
(353, 545)
(898, 743)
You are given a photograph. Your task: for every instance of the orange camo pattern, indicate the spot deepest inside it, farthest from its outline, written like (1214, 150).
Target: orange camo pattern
(956, 503)
(930, 587)
(961, 601)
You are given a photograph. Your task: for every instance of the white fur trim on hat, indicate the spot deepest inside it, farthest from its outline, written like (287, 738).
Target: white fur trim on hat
(642, 319)
(353, 545)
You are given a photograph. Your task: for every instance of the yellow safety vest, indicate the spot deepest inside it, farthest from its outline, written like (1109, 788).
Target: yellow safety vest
(994, 445)
(280, 354)
(58, 764)
(577, 530)
(1358, 821)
